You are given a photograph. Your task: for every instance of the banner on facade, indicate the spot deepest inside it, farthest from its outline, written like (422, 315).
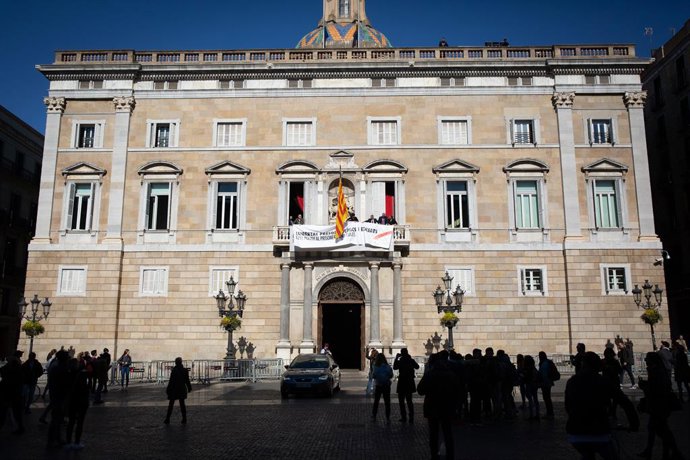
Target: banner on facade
(356, 235)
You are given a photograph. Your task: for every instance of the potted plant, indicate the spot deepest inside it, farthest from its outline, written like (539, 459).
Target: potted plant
(449, 319)
(230, 323)
(651, 316)
(33, 328)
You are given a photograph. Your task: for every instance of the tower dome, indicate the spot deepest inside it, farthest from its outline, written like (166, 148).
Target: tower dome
(344, 25)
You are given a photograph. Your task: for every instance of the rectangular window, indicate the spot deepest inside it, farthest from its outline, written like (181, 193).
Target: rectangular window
(344, 8)
(90, 84)
(229, 134)
(523, 132)
(158, 206)
(72, 281)
(384, 132)
(600, 132)
(227, 206)
(531, 281)
(616, 279)
(299, 133)
(219, 275)
(163, 85)
(527, 204)
(162, 134)
(464, 277)
(87, 134)
(454, 132)
(81, 206)
(605, 204)
(457, 207)
(154, 281)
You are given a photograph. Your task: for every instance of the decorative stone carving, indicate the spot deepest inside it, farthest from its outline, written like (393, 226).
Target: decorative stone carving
(635, 100)
(124, 104)
(341, 291)
(563, 100)
(55, 104)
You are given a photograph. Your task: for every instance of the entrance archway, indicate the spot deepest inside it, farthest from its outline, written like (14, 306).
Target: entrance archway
(341, 322)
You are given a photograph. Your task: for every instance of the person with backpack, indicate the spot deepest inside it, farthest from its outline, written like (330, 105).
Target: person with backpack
(548, 374)
(406, 366)
(382, 376)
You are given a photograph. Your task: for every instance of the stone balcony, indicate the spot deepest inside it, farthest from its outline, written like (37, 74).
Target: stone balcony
(401, 235)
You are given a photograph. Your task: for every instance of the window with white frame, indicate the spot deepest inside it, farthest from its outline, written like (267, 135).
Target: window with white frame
(80, 205)
(605, 185)
(384, 131)
(522, 132)
(606, 208)
(72, 281)
(464, 277)
(527, 204)
(457, 204)
(299, 132)
(343, 8)
(153, 281)
(217, 278)
(162, 134)
(226, 215)
(454, 131)
(229, 133)
(532, 280)
(600, 131)
(615, 278)
(87, 134)
(158, 205)
(227, 206)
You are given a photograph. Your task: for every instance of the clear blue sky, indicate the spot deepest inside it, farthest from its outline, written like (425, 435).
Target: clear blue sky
(31, 30)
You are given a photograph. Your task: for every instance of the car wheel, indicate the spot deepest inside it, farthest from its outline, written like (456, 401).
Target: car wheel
(329, 392)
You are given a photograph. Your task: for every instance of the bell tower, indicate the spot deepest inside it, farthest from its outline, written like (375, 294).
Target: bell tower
(344, 11)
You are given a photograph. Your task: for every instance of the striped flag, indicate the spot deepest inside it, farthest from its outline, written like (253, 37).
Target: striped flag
(342, 215)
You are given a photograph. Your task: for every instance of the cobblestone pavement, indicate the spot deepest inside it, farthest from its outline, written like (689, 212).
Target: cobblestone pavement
(242, 420)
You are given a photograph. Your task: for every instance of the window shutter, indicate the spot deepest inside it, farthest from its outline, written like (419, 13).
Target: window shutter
(618, 186)
(172, 142)
(512, 131)
(612, 132)
(89, 207)
(70, 204)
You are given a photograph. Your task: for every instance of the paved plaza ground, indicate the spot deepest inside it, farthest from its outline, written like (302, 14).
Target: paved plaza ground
(242, 420)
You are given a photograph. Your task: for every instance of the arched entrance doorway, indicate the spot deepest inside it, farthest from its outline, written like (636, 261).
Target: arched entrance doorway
(341, 322)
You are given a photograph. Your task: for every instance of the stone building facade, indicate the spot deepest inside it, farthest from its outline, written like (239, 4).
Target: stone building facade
(522, 171)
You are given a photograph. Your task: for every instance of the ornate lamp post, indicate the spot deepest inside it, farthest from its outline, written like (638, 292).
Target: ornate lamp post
(230, 316)
(33, 327)
(449, 306)
(651, 313)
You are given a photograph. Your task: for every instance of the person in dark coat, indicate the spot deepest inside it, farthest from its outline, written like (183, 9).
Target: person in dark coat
(78, 402)
(178, 387)
(438, 386)
(59, 387)
(588, 396)
(658, 395)
(31, 371)
(405, 365)
(11, 391)
(681, 370)
(382, 375)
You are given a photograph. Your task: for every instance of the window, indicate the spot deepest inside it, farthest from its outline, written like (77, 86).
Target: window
(226, 202)
(454, 131)
(615, 279)
(344, 8)
(229, 133)
(605, 187)
(457, 205)
(464, 277)
(227, 206)
(90, 84)
(163, 85)
(299, 83)
(452, 81)
(72, 281)
(80, 214)
(384, 131)
(217, 278)
(522, 132)
(299, 132)
(162, 134)
(606, 213)
(597, 79)
(600, 132)
(532, 280)
(87, 134)
(519, 81)
(383, 82)
(527, 212)
(158, 206)
(684, 114)
(153, 281)
(231, 84)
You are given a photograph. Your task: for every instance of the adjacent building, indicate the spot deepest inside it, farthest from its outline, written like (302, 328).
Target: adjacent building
(519, 170)
(21, 149)
(667, 116)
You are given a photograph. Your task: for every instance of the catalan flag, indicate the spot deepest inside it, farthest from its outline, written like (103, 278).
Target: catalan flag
(342, 215)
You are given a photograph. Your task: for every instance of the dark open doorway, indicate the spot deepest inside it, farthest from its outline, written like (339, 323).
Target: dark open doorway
(341, 328)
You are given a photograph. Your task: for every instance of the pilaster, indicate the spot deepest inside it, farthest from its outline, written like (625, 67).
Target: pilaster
(283, 349)
(307, 345)
(398, 342)
(375, 313)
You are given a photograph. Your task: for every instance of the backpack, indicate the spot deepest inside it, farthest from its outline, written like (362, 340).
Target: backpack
(554, 375)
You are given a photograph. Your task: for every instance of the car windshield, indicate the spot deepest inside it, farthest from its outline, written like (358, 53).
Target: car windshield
(310, 363)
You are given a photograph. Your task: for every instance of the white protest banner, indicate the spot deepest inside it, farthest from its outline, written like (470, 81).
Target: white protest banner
(361, 235)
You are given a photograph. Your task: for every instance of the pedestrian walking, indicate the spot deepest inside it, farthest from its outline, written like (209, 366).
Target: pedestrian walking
(178, 387)
(125, 362)
(531, 378)
(548, 374)
(382, 375)
(681, 370)
(31, 371)
(59, 385)
(658, 402)
(627, 360)
(11, 399)
(406, 366)
(438, 386)
(78, 403)
(588, 395)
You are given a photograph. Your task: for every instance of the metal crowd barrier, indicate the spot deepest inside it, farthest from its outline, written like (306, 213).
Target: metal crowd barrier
(206, 371)
(163, 369)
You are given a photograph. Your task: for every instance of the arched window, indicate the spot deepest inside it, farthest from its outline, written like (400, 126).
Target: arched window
(344, 8)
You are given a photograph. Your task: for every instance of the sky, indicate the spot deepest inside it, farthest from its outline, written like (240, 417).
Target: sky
(32, 30)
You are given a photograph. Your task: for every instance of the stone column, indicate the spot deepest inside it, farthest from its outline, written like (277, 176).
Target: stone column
(307, 345)
(375, 313)
(123, 114)
(55, 108)
(563, 103)
(283, 349)
(398, 342)
(635, 105)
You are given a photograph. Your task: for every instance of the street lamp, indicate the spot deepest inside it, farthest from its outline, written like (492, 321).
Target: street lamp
(449, 302)
(33, 326)
(651, 313)
(227, 311)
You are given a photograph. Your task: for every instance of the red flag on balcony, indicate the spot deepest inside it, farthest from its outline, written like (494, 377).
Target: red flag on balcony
(342, 215)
